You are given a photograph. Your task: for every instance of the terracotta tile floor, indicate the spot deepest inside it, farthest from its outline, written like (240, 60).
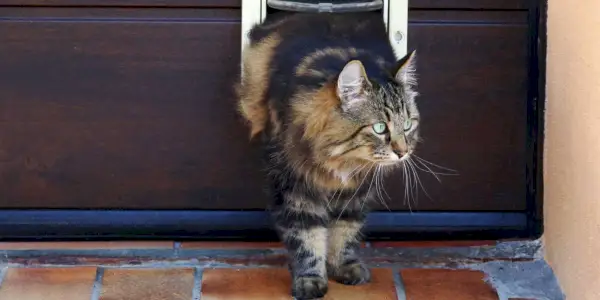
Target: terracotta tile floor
(130, 276)
(48, 283)
(446, 284)
(78, 283)
(235, 284)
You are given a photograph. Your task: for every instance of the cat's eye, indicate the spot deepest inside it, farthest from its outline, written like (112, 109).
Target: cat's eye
(380, 128)
(407, 124)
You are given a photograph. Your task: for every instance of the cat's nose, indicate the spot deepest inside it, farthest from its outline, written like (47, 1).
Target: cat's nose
(400, 153)
(399, 149)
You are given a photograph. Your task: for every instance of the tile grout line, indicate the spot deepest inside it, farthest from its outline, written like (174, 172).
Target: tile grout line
(197, 292)
(97, 288)
(3, 272)
(177, 248)
(177, 245)
(399, 284)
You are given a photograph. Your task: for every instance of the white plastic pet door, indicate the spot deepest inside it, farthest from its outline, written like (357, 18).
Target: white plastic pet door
(395, 16)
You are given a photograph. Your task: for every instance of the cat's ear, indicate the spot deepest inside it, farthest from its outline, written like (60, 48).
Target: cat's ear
(351, 84)
(405, 69)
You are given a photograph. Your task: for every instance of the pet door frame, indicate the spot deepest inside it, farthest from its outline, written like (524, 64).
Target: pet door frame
(395, 16)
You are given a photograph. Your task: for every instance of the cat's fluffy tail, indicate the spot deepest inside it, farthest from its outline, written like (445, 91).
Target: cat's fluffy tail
(252, 88)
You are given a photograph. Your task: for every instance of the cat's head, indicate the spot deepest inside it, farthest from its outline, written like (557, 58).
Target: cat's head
(371, 123)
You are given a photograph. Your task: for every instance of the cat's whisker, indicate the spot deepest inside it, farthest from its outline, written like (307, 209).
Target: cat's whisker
(379, 186)
(351, 176)
(412, 163)
(382, 186)
(424, 161)
(355, 171)
(404, 179)
(406, 186)
(411, 183)
(352, 197)
(375, 173)
(373, 176)
(381, 177)
(357, 189)
(331, 198)
(414, 186)
(428, 170)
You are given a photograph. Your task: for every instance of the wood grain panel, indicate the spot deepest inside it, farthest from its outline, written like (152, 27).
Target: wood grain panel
(126, 3)
(469, 4)
(133, 108)
(111, 110)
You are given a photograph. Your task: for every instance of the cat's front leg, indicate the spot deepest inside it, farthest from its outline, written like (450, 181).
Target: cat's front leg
(302, 227)
(343, 262)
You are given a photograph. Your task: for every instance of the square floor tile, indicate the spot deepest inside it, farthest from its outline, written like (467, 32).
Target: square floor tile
(274, 284)
(441, 284)
(48, 283)
(147, 284)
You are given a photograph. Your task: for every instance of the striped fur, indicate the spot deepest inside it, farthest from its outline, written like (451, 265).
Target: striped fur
(312, 89)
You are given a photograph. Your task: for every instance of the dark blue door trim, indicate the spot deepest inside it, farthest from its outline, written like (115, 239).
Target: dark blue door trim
(244, 225)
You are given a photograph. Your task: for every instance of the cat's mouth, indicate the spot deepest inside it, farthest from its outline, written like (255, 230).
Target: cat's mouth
(404, 157)
(389, 163)
(393, 161)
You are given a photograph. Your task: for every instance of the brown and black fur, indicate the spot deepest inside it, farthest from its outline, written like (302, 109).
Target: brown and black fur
(316, 126)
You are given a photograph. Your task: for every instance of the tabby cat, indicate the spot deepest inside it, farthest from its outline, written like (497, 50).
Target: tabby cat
(332, 104)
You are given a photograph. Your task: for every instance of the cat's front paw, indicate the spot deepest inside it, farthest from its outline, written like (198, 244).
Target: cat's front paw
(351, 274)
(309, 287)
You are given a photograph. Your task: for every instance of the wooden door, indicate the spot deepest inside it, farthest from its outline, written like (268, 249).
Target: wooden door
(128, 104)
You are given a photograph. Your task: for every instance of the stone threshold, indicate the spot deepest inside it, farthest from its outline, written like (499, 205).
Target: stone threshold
(402, 270)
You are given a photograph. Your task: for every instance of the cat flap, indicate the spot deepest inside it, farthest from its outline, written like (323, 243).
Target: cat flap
(330, 6)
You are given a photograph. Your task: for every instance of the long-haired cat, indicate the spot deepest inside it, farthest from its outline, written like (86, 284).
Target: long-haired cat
(331, 103)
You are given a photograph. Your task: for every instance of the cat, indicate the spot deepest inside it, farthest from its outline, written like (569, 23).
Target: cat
(332, 105)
